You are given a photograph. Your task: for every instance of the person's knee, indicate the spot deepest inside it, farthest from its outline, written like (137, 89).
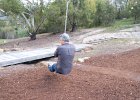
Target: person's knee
(52, 68)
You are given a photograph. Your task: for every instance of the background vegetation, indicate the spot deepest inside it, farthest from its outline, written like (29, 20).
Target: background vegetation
(39, 17)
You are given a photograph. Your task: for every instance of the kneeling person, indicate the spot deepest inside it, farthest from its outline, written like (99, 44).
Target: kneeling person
(65, 53)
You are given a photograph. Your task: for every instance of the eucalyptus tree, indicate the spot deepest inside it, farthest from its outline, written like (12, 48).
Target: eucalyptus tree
(105, 13)
(121, 8)
(34, 16)
(11, 6)
(55, 16)
(11, 9)
(134, 8)
(81, 13)
(89, 12)
(31, 12)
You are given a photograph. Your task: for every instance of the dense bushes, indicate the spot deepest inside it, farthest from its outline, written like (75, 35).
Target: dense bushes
(105, 13)
(82, 13)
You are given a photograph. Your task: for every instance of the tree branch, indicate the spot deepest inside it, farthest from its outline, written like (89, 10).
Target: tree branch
(43, 19)
(27, 21)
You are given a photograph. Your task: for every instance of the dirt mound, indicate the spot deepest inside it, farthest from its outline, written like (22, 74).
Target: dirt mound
(35, 82)
(129, 60)
(39, 84)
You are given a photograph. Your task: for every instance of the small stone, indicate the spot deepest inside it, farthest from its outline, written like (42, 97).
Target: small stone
(79, 97)
(1, 50)
(1, 68)
(80, 60)
(83, 59)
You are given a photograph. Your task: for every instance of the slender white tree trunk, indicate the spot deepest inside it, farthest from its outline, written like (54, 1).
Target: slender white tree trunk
(33, 22)
(27, 21)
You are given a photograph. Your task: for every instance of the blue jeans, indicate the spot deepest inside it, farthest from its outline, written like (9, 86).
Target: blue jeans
(52, 68)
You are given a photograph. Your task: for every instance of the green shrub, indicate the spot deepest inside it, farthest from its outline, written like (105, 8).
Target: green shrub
(22, 33)
(105, 13)
(121, 24)
(2, 41)
(2, 23)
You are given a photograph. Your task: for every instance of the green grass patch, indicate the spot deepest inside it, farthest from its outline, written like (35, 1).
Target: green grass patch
(121, 24)
(2, 41)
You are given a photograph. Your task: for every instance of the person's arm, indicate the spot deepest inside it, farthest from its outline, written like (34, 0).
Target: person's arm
(56, 52)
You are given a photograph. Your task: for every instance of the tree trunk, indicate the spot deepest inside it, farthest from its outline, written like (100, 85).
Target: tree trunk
(74, 27)
(119, 14)
(135, 19)
(33, 36)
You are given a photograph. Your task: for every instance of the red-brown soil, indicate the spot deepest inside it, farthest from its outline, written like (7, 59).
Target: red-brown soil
(105, 77)
(129, 60)
(92, 80)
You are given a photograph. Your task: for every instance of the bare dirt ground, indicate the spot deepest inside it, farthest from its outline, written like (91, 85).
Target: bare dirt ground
(111, 73)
